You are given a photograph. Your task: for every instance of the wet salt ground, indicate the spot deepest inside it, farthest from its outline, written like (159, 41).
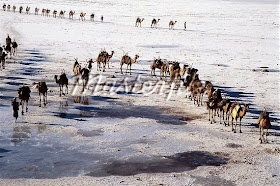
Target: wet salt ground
(47, 150)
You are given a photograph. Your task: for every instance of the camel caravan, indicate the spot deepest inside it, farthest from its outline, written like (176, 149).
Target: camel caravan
(82, 16)
(216, 104)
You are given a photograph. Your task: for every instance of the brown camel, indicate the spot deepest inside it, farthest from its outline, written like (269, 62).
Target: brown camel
(236, 112)
(138, 21)
(44, 11)
(156, 64)
(54, 13)
(14, 8)
(14, 47)
(211, 105)
(224, 107)
(154, 23)
(48, 12)
(8, 49)
(9, 7)
(71, 14)
(3, 59)
(264, 122)
(82, 16)
(85, 77)
(127, 60)
(36, 11)
(101, 58)
(196, 89)
(171, 24)
(108, 57)
(27, 10)
(63, 80)
(42, 89)
(164, 69)
(92, 17)
(24, 95)
(61, 14)
(176, 71)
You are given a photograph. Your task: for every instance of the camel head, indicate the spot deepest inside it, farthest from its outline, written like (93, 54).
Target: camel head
(142, 19)
(246, 107)
(175, 22)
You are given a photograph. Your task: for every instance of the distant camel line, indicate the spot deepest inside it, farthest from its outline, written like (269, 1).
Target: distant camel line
(82, 15)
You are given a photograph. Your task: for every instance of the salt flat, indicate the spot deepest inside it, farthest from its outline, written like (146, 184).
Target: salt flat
(140, 137)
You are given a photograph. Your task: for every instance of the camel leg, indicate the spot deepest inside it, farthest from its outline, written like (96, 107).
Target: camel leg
(240, 125)
(104, 66)
(260, 134)
(40, 99)
(121, 69)
(214, 115)
(46, 98)
(60, 90)
(209, 114)
(232, 124)
(235, 124)
(27, 106)
(221, 117)
(66, 89)
(266, 135)
(211, 117)
(22, 106)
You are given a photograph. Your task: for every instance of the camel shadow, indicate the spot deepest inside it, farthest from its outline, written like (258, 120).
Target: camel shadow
(179, 162)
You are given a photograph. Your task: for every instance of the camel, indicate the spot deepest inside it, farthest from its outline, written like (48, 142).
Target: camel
(108, 57)
(63, 80)
(224, 107)
(92, 17)
(20, 9)
(236, 112)
(61, 14)
(176, 71)
(3, 58)
(84, 73)
(171, 24)
(48, 12)
(154, 23)
(4, 7)
(43, 12)
(14, 47)
(196, 89)
(36, 11)
(138, 21)
(27, 10)
(9, 7)
(8, 49)
(42, 89)
(264, 122)
(14, 8)
(127, 60)
(162, 66)
(101, 58)
(76, 68)
(212, 106)
(71, 14)
(190, 76)
(157, 63)
(82, 16)
(24, 95)
(54, 13)
(15, 105)
(164, 69)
